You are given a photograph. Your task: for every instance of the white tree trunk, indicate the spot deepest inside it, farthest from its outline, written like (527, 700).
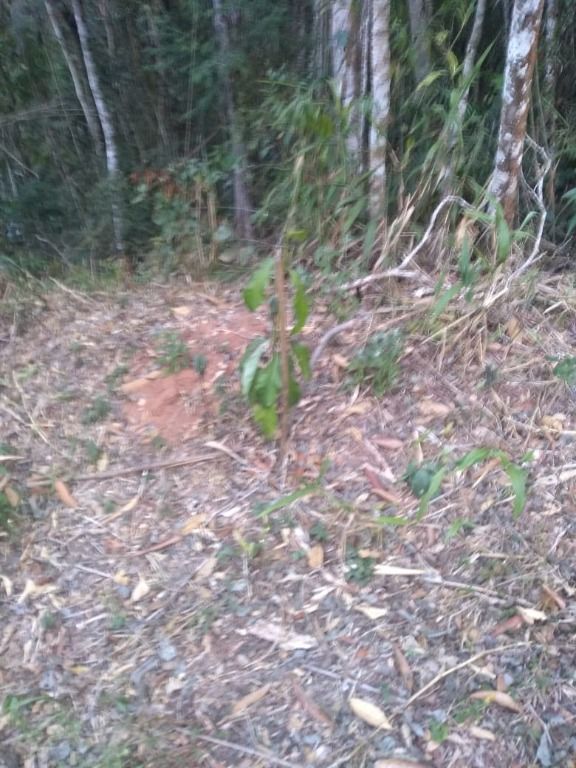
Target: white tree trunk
(420, 15)
(106, 124)
(84, 99)
(520, 59)
(380, 70)
(242, 203)
(550, 34)
(340, 36)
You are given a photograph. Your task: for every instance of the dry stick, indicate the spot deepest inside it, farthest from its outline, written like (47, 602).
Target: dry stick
(143, 468)
(267, 757)
(462, 665)
(400, 271)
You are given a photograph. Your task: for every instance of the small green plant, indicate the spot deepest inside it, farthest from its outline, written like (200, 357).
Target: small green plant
(378, 362)
(6, 513)
(96, 411)
(93, 451)
(565, 370)
(360, 568)
(262, 363)
(199, 364)
(319, 532)
(173, 354)
(439, 732)
(114, 377)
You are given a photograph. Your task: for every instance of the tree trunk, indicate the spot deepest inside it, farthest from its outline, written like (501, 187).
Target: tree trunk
(242, 203)
(520, 59)
(106, 124)
(420, 15)
(380, 71)
(84, 99)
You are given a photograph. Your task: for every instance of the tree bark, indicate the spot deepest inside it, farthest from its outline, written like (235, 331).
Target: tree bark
(420, 14)
(106, 124)
(380, 70)
(520, 59)
(242, 202)
(84, 99)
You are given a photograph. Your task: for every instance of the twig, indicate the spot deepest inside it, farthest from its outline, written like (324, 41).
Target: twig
(329, 335)
(75, 294)
(266, 756)
(152, 467)
(462, 665)
(400, 270)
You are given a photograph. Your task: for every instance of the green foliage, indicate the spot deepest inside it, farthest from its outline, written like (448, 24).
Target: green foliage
(173, 354)
(97, 411)
(359, 568)
(378, 362)
(260, 367)
(565, 370)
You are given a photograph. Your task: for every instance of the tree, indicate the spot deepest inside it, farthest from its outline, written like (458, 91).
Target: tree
(106, 123)
(420, 15)
(380, 74)
(520, 59)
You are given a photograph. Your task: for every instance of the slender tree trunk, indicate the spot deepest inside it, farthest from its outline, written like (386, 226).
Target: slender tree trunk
(467, 69)
(380, 70)
(321, 36)
(84, 99)
(420, 15)
(242, 203)
(340, 39)
(550, 75)
(107, 126)
(520, 59)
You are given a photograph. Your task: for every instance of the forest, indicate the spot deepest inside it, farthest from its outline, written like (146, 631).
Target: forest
(287, 383)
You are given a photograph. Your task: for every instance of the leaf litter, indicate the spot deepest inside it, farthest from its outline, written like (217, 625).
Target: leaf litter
(149, 604)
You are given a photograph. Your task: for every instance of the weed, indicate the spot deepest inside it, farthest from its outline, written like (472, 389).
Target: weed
(319, 532)
(96, 411)
(565, 370)
(199, 364)
(173, 354)
(50, 621)
(109, 506)
(378, 362)
(438, 731)
(92, 451)
(360, 568)
(158, 443)
(113, 378)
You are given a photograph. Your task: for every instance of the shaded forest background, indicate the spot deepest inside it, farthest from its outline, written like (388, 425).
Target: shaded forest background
(192, 129)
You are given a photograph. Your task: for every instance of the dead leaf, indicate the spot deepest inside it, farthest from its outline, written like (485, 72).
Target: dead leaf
(102, 463)
(316, 556)
(64, 494)
(497, 697)
(276, 633)
(432, 408)
(310, 705)
(371, 611)
(403, 667)
(251, 698)
(393, 762)
(340, 361)
(512, 624)
(550, 595)
(35, 590)
(193, 523)
(140, 590)
(370, 713)
(531, 615)
(182, 312)
(206, 569)
(481, 733)
(12, 496)
(121, 578)
(392, 443)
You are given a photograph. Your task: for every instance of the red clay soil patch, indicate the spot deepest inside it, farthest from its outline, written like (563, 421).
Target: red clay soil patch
(180, 406)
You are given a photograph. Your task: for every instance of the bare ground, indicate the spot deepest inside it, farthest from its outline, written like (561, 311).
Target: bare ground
(156, 610)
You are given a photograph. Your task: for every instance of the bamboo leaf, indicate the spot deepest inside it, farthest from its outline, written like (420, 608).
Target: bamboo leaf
(255, 291)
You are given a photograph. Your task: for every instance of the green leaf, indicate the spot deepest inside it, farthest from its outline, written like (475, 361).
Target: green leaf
(293, 391)
(475, 456)
(302, 355)
(270, 382)
(255, 291)
(300, 303)
(433, 488)
(285, 501)
(393, 520)
(250, 363)
(429, 79)
(503, 236)
(518, 477)
(444, 300)
(296, 235)
(358, 208)
(266, 418)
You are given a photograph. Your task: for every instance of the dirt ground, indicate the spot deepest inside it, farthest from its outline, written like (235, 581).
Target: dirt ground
(170, 597)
